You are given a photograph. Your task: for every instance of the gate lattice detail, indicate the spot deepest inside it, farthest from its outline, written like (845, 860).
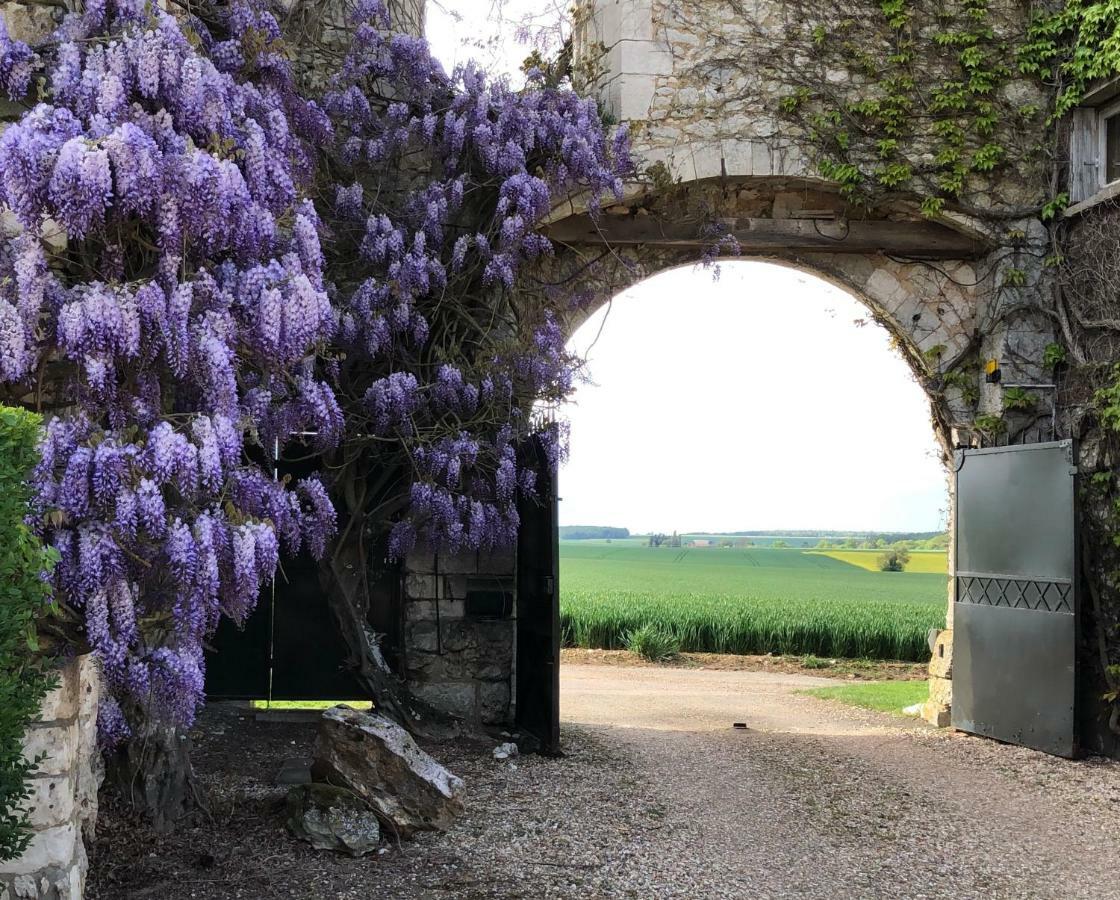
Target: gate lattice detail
(1016, 593)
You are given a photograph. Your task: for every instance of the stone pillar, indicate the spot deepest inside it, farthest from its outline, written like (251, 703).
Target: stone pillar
(458, 643)
(617, 53)
(62, 807)
(938, 708)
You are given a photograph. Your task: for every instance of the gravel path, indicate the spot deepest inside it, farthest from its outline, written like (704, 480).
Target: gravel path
(817, 799)
(658, 797)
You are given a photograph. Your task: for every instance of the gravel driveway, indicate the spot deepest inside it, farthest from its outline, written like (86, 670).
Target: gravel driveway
(658, 797)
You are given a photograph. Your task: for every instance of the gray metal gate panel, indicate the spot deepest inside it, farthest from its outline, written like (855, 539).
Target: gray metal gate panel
(1015, 612)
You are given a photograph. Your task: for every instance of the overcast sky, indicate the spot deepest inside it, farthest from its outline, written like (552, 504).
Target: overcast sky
(752, 402)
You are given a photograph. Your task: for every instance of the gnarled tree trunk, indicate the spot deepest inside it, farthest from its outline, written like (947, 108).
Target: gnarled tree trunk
(153, 772)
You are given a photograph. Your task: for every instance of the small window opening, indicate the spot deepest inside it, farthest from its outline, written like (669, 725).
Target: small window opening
(1112, 148)
(941, 650)
(489, 598)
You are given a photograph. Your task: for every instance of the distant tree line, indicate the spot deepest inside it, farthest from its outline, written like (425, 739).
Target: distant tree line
(592, 533)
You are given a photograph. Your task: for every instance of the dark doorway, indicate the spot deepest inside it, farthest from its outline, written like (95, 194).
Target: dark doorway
(290, 647)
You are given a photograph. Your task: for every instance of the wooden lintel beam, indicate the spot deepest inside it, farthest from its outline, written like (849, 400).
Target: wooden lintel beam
(923, 240)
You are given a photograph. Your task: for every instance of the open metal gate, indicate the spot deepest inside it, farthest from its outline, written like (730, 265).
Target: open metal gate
(537, 710)
(1015, 614)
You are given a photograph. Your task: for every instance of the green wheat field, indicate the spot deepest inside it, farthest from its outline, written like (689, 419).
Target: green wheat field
(756, 600)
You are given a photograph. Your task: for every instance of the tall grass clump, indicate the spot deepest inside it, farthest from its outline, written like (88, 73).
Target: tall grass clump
(653, 643)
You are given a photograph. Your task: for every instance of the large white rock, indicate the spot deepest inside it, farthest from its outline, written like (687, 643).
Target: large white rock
(378, 760)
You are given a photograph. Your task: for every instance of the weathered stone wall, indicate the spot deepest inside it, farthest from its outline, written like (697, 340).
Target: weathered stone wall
(454, 658)
(63, 803)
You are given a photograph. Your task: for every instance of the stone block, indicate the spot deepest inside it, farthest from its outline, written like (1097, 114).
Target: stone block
(432, 668)
(629, 97)
(631, 20)
(497, 563)
(420, 611)
(640, 58)
(56, 744)
(29, 23)
(53, 848)
(457, 564)
(89, 687)
(451, 609)
(937, 714)
(423, 636)
(62, 702)
(88, 776)
(422, 561)
(494, 702)
(51, 802)
(420, 587)
(941, 662)
(426, 610)
(941, 691)
(456, 697)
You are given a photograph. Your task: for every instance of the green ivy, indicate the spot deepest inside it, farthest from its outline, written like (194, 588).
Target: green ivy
(24, 597)
(1018, 399)
(941, 85)
(1073, 45)
(1053, 356)
(990, 425)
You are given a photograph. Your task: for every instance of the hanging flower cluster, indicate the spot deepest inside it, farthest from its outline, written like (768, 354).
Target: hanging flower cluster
(178, 325)
(212, 257)
(446, 353)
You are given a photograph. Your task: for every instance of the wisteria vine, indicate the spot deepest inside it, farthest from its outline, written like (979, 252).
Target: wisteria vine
(206, 253)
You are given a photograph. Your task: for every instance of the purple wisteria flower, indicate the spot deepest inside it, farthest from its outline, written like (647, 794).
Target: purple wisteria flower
(197, 273)
(206, 312)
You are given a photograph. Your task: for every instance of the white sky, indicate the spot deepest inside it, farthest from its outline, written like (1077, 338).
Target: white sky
(484, 30)
(749, 402)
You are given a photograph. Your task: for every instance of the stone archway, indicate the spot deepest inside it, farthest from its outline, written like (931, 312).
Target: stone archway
(908, 300)
(714, 173)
